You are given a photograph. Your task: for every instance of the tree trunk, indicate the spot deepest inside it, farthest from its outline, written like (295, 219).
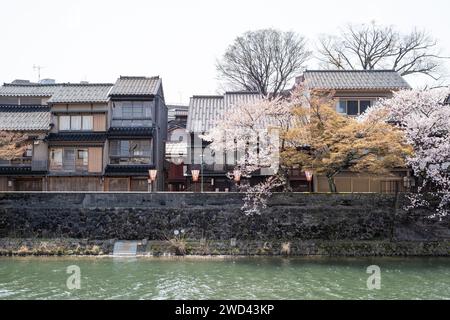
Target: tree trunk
(331, 183)
(285, 176)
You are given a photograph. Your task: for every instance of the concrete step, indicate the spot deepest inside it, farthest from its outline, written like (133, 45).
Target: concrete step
(124, 248)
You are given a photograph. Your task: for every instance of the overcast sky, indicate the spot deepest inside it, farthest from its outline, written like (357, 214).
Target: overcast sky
(96, 40)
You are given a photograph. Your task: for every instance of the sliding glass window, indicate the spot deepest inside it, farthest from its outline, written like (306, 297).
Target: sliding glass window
(76, 122)
(130, 152)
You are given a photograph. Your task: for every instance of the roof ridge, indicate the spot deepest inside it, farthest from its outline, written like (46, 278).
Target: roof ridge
(241, 92)
(208, 96)
(139, 77)
(32, 84)
(23, 105)
(356, 71)
(87, 84)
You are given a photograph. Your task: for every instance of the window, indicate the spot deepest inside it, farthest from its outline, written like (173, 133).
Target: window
(82, 155)
(64, 123)
(88, 122)
(29, 151)
(69, 159)
(363, 105)
(81, 164)
(353, 107)
(55, 159)
(342, 106)
(76, 123)
(132, 114)
(130, 151)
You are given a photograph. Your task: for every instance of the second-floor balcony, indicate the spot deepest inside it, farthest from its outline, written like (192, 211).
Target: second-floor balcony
(131, 152)
(17, 162)
(132, 123)
(23, 164)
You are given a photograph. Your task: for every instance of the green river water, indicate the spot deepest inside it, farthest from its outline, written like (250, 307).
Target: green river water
(215, 278)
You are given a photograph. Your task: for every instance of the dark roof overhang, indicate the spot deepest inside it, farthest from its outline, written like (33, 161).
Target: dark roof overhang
(120, 97)
(11, 170)
(115, 132)
(128, 170)
(81, 137)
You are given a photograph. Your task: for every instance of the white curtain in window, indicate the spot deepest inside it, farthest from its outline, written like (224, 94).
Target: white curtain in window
(75, 123)
(87, 122)
(64, 123)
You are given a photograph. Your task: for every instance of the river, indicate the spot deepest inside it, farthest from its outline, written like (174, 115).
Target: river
(227, 278)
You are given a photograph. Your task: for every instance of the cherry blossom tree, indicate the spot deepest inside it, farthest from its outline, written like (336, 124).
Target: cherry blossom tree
(425, 120)
(12, 144)
(334, 143)
(252, 135)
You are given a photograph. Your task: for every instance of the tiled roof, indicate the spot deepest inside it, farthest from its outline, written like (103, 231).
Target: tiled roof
(353, 80)
(136, 86)
(77, 137)
(137, 131)
(205, 111)
(176, 148)
(28, 90)
(81, 93)
(24, 118)
(117, 170)
(7, 170)
(176, 124)
(174, 111)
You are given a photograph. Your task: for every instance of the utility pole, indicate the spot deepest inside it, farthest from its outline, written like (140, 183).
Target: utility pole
(201, 172)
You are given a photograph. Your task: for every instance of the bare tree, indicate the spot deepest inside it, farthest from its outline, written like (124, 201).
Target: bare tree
(12, 144)
(370, 47)
(263, 60)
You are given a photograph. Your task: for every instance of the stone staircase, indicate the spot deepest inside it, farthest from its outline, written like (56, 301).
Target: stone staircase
(125, 248)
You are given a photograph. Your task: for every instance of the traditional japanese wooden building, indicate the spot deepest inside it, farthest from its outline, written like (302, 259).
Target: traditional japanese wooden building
(354, 92)
(88, 137)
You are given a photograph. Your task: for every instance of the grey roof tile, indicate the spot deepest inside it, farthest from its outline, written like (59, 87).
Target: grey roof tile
(115, 132)
(126, 170)
(205, 111)
(140, 86)
(8, 170)
(354, 80)
(174, 111)
(81, 93)
(28, 90)
(176, 124)
(77, 137)
(24, 118)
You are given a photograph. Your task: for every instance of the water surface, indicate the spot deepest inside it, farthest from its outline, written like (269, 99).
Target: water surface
(240, 278)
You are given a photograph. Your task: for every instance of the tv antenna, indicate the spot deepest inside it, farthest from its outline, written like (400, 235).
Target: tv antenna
(38, 68)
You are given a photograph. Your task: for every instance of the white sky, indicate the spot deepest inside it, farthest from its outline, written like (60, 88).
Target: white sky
(96, 40)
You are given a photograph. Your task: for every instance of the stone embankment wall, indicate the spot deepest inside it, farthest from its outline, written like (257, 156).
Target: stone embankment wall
(212, 223)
